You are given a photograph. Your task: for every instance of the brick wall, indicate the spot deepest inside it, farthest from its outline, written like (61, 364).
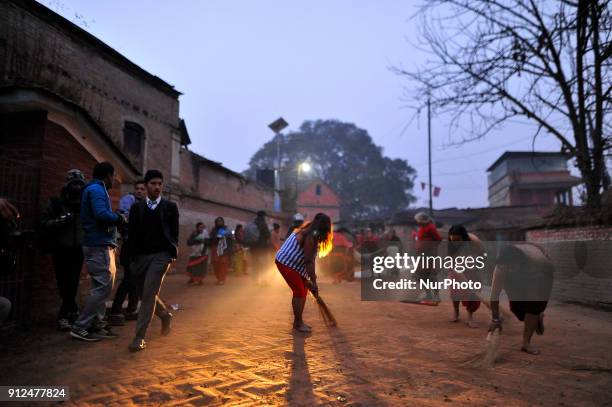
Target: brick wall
(30, 138)
(582, 258)
(209, 191)
(310, 203)
(38, 50)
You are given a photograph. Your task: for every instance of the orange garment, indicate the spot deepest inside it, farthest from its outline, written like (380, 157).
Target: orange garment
(221, 266)
(341, 241)
(220, 263)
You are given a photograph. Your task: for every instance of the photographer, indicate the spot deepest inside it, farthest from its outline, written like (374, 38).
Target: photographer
(63, 237)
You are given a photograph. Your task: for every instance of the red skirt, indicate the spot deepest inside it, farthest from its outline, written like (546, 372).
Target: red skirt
(294, 280)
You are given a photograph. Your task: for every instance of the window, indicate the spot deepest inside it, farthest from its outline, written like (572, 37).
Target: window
(318, 189)
(133, 137)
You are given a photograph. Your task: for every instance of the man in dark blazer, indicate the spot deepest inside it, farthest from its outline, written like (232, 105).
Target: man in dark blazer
(153, 242)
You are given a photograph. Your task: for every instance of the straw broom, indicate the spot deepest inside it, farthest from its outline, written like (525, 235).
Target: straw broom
(325, 312)
(328, 318)
(488, 354)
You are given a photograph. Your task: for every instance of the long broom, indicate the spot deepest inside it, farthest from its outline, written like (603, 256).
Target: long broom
(489, 353)
(328, 318)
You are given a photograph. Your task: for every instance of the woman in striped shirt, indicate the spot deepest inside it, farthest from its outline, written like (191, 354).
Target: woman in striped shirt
(296, 262)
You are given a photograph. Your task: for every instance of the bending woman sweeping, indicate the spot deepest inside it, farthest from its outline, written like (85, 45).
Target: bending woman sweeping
(295, 261)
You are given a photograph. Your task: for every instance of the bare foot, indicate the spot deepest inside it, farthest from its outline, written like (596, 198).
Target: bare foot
(472, 324)
(455, 319)
(530, 350)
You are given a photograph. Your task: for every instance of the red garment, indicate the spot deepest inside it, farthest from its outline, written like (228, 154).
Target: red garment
(359, 239)
(473, 303)
(221, 266)
(294, 280)
(428, 233)
(425, 234)
(341, 241)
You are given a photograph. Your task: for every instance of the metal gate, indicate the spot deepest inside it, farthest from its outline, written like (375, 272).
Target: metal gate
(19, 183)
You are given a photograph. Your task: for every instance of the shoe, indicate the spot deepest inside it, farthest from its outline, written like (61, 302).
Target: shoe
(166, 324)
(104, 333)
(63, 324)
(137, 345)
(116, 320)
(84, 335)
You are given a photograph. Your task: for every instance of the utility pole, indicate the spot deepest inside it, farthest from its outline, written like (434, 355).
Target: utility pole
(429, 148)
(277, 126)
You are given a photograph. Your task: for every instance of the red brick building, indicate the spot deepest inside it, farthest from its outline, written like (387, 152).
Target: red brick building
(68, 100)
(318, 197)
(208, 189)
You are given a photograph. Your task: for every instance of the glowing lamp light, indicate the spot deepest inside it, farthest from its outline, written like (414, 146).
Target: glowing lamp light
(305, 167)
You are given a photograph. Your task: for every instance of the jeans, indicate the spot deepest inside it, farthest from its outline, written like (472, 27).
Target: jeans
(100, 263)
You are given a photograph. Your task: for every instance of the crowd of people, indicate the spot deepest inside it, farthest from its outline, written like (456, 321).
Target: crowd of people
(78, 227)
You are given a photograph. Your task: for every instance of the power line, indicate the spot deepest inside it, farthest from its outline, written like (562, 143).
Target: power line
(474, 154)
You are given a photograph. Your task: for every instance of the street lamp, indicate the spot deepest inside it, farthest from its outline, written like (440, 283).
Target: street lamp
(277, 126)
(302, 167)
(305, 167)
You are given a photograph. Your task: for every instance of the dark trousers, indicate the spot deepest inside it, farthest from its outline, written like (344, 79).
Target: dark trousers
(67, 263)
(127, 288)
(149, 270)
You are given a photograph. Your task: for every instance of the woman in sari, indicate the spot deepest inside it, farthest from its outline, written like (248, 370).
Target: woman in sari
(221, 245)
(198, 259)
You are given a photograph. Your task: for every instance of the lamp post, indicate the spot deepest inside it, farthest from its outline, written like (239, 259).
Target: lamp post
(302, 167)
(429, 152)
(277, 126)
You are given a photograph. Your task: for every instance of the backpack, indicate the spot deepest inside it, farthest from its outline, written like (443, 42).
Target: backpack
(251, 235)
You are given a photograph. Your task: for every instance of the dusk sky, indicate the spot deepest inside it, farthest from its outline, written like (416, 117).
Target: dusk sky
(242, 64)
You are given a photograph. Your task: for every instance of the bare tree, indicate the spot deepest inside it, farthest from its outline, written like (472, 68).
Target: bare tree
(547, 61)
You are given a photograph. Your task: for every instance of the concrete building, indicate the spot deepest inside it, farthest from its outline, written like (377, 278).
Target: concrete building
(530, 178)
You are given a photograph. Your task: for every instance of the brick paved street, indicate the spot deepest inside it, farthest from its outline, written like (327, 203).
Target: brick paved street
(232, 345)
